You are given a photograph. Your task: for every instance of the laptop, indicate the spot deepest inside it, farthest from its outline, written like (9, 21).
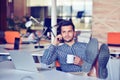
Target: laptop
(23, 60)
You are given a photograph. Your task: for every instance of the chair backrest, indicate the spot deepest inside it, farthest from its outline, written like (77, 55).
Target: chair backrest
(57, 65)
(113, 38)
(11, 35)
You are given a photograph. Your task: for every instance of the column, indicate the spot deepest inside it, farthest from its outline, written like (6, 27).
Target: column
(53, 20)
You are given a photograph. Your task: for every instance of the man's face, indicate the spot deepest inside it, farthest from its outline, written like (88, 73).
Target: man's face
(67, 33)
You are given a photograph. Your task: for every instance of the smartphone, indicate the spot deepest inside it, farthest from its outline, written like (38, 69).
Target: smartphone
(60, 40)
(58, 32)
(16, 43)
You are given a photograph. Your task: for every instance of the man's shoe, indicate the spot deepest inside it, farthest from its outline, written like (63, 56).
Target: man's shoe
(103, 58)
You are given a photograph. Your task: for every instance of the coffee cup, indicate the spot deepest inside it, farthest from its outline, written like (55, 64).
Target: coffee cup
(70, 59)
(16, 43)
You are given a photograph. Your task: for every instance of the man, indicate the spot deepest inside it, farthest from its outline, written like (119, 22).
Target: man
(86, 55)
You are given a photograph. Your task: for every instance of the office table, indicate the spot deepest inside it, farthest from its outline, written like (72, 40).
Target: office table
(23, 47)
(37, 53)
(29, 48)
(113, 69)
(11, 74)
(52, 74)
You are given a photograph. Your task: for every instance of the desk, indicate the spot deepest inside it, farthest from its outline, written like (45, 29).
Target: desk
(43, 75)
(113, 70)
(37, 53)
(24, 47)
(13, 74)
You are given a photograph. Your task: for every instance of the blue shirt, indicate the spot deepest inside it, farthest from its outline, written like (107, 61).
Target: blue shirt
(60, 52)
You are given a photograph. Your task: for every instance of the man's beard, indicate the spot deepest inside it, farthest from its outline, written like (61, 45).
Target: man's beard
(68, 40)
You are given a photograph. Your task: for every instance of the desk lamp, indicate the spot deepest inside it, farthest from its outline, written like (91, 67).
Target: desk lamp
(37, 38)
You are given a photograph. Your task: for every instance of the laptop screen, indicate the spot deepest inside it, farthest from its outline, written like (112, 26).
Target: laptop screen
(23, 60)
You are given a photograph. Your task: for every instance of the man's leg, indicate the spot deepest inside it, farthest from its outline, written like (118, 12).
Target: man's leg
(92, 51)
(103, 58)
(91, 54)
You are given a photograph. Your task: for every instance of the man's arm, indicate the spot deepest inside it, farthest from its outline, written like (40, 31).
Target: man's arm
(80, 62)
(49, 55)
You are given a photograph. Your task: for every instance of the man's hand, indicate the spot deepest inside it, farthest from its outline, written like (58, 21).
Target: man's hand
(78, 61)
(57, 40)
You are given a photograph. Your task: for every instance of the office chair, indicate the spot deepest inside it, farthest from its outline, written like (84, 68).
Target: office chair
(113, 41)
(11, 35)
(113, 38)
(57, 65)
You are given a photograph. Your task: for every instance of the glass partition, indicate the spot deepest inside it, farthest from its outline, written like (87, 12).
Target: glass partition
(80, 11)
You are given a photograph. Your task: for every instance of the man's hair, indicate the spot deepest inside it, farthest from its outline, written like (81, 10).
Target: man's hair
(64, 23)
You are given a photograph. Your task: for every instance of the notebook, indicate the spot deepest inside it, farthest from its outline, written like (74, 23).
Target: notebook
(24, 61)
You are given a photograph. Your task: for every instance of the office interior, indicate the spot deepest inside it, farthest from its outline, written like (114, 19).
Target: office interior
(92, 18)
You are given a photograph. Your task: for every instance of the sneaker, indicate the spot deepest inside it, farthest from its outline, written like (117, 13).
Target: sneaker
(103, 58)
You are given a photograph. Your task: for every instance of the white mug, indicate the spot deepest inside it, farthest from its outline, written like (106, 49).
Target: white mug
(70, 59)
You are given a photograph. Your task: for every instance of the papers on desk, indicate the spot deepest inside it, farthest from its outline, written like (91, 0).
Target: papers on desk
(4, 55)
(28, 41)
(3, 52)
